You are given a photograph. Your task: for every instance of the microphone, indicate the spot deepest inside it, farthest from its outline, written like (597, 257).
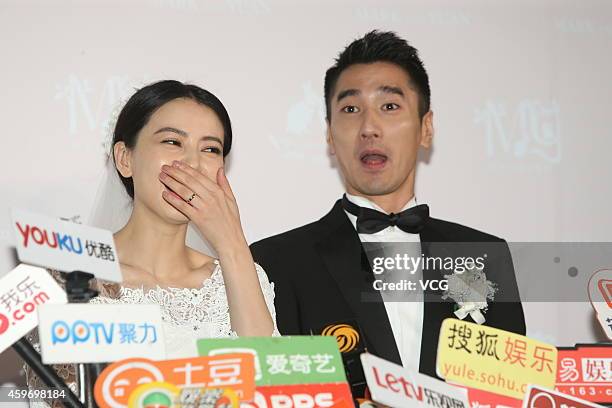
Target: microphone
(351, 343)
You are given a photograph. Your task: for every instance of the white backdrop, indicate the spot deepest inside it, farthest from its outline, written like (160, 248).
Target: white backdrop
(520, 91)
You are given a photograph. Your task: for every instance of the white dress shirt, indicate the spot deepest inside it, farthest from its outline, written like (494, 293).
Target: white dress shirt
(406, 318)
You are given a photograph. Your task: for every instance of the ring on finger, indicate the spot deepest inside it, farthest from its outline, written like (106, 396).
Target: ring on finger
(192, 197)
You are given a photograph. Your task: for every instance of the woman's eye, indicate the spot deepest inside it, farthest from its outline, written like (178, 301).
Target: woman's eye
(212, 149)
(350, 109)
(390, 106)
(171, 142)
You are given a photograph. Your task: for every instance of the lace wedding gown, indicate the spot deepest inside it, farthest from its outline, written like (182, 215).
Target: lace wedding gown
(187, 314)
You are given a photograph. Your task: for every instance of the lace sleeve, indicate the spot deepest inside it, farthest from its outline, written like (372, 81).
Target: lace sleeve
(66, 372)
(267, 289)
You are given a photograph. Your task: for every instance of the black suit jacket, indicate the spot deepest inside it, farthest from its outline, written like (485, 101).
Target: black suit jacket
(319, 275)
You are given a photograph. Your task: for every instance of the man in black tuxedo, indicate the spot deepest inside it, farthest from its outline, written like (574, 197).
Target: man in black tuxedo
(378, 114)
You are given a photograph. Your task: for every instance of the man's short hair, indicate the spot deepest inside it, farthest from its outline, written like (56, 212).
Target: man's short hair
(377, 46)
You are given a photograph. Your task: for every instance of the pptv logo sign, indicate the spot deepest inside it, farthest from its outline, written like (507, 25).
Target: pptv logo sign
(35, 235)
(96, 332)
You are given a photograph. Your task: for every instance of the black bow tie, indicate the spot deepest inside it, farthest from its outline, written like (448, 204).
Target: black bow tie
(371, 221)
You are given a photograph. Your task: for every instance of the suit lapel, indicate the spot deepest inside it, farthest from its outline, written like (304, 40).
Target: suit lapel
(435, 310)
(346, 262)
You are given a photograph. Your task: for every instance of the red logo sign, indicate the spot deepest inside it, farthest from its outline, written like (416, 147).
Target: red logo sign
(542, 398)
(605, 287)
(485, 399)
(585, 371)
(331, 395)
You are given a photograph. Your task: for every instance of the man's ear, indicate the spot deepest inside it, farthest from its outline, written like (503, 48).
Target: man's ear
(329, 139)
(123, 160)
(427, 130)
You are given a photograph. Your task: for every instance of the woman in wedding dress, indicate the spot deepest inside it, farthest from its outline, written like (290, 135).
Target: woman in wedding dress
(169, 146)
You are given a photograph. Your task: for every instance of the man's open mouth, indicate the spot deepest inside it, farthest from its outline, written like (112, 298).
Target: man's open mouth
(373, 159)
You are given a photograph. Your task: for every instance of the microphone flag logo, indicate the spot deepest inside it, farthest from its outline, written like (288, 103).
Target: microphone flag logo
(346, 336)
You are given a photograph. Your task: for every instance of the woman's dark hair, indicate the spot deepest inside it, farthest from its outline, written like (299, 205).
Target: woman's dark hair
(377, 46)
(141, 106)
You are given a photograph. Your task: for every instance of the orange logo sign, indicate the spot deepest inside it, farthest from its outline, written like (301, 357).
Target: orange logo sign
(228, 371)
(346, 336)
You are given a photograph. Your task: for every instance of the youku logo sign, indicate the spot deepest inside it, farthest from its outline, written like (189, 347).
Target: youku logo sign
(64, 242)
(531, 130)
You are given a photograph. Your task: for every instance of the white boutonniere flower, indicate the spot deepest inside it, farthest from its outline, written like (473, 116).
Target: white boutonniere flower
(470, 290)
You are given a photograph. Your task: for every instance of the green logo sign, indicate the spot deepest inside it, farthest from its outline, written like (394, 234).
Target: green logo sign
(284, 360)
